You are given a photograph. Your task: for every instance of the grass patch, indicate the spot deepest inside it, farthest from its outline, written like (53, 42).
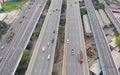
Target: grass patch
(54, 73)
(61, 33)
(23, 63)
(9, 6)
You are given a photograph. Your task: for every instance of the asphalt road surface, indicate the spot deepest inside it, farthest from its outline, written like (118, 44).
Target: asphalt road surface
(74, 33)
(25, 29)
(39, 63)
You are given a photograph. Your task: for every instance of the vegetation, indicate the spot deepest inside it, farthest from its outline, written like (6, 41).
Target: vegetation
(37, 32)
(29, 46)
(62, 22)
(116, 33)
(8, 6)
(23, 63)
(83, 11)
(48, 2)
(54, 73)
(99, 6)
(118, 41)
(3, 28)
(108, 2)
(63, 8)
(61, 33)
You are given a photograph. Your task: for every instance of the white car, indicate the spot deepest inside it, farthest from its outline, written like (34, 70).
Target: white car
(43, 49)
(67, 41)
(48, 44)
(2, 47)
(49, 57)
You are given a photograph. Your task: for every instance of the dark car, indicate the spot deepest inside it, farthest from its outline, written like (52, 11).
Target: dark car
(72, 52)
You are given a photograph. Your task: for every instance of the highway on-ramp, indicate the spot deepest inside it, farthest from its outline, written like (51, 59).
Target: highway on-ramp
(41, 62)
(105, 58)
(74, 40)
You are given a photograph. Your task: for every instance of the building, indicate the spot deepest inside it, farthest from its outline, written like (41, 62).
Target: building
(2, 16)
(113, 45)
(95, 68)
(86, 25)
(100, 20)
(116, 58)
(104, 17)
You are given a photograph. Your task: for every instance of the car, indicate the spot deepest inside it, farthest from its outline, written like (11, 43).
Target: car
(54, 31)
(67, 41)
(11, 29)
(2, 47)
(48, 44)
(20, 22)
(48, 57)
(43, 49)
(53, 40)
(72, 52)
(1, 58)
(23, 17)
(81, 57)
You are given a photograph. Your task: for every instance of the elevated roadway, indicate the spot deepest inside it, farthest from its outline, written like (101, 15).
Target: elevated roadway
(40, 64)
(74, 40)
(23, 32)
(105, 58)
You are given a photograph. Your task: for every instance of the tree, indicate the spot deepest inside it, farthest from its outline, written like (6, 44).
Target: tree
(37, 32)
(3, 27)
(100, 6)
(48, 2)
(29, 46)
(83, 11)
(118, 41)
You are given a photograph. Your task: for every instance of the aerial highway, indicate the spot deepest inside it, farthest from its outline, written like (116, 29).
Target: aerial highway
(114, 20)
(74, 46)
(105, 58)
(26, 25)
(42, 60)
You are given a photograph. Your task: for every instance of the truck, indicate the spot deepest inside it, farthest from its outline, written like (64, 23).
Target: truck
(88, 47)
(81, 57)
(9, 38)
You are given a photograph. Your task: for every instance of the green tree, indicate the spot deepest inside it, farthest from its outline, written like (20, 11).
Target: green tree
(23, 63)
(37, 32)
(48, 2)
(29, 46)
(99, 6)
(118, 41)
(63, 8)
(83, 11)
(3, 27)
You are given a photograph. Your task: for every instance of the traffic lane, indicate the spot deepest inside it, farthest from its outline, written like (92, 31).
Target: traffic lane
(48, 31)
(71, 59)
(44, 43)
(51, 44)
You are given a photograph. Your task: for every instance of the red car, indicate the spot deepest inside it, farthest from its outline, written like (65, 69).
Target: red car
(81, 57)
(81, 60)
